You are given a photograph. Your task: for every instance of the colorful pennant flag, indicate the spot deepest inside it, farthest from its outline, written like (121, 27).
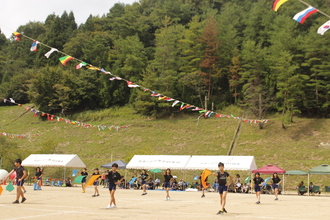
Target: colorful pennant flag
(34, 46)
(303, 15)
(132, 85)
(175, 102)
(91, 67)
(65, 59)
(115, 78)
(1, 189)
(18, 36)
(80, 65)
(324, 28)
(204, 176)
(50, 52)
(277, 4)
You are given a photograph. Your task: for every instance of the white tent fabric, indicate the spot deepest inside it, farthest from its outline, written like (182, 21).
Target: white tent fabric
(174, 162)
(53, 160)
(231, 162)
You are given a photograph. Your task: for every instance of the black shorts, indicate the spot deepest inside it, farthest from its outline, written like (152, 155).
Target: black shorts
(112, 186)
(19, 183)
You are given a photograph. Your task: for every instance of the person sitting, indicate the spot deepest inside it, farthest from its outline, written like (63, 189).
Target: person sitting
(181, 185)
(238, 187)
(68, 182)
(301, 188)
(245, 188)
(150, 184)
(174, 184)
(157, 183)
(215, 185)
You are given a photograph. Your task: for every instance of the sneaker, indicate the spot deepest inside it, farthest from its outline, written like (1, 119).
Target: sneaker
(23, 200)
(24, 191)
(144, 193)
(220, 212)
(202, 196)
(93, 195)
(166, 198)
(258, 202)
(83, 191)
(98, 195)
(109, 207)
(113, 206)
(276, 199)
(224, 210)
(16, 201)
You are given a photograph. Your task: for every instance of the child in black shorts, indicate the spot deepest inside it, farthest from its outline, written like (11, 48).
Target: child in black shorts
(223, 186)
(168, 178)
(114, 178)
(258, 181)
(83, 181)
(96, 182)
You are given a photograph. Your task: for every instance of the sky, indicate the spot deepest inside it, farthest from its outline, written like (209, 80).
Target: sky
(14, 13)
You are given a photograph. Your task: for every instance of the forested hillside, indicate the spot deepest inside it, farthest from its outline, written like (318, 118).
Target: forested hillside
(231, 52)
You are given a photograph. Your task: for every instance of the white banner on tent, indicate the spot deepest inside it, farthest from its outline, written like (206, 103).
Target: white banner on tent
(174, 162)
(231, 162)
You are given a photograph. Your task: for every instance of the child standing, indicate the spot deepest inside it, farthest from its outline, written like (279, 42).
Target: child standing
(20, 177)
(201, 185)
(168, 178)
(258, 181)
(223, 186)
(38, 178)
(96, 182)
(144, 177)
(276, 181)
(83, 181)
(114, 178)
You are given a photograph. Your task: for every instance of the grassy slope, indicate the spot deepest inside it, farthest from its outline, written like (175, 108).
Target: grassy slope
(292, 148)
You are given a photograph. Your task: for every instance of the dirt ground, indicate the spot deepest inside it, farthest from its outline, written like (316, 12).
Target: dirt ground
(70, 203)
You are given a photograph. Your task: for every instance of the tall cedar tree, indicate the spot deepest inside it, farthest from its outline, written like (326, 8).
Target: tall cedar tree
(210, 60)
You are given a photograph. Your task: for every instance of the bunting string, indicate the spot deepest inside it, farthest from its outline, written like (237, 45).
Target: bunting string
(66, 58)
(52, 117)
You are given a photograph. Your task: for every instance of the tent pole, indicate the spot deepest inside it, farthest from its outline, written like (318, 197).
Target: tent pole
(308, 185)
(283, 185)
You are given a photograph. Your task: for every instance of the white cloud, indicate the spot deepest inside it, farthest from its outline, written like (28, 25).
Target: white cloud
(19, 12)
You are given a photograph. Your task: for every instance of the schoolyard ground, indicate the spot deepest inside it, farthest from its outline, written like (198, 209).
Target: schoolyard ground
(70, 203)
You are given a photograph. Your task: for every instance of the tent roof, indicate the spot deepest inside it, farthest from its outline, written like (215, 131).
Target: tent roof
(53, 160)
(174, 162)
(322, 169)
(296, 172)
(269, 169)
(121, 164)
(198, 162)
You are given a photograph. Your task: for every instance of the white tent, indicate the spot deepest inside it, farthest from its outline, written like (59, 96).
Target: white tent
(174, 162)
(53, 160)
(246, 163)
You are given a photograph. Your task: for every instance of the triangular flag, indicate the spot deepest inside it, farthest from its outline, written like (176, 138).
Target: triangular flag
(132, 85)
(324, 28)
(92, 179)
(303, 15)
(34, 46)
(50, 52)
(90, 67)
(205, 174)
(174, 103)
(17, 36)
(65, 59)
(81, 65)
(9, 187)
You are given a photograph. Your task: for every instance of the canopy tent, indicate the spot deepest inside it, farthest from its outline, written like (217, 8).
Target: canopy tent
(231, 162)
(53, 160)
(269, 169)
(121, 164)
(294, 172)
(174, 162)
(322, 169)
